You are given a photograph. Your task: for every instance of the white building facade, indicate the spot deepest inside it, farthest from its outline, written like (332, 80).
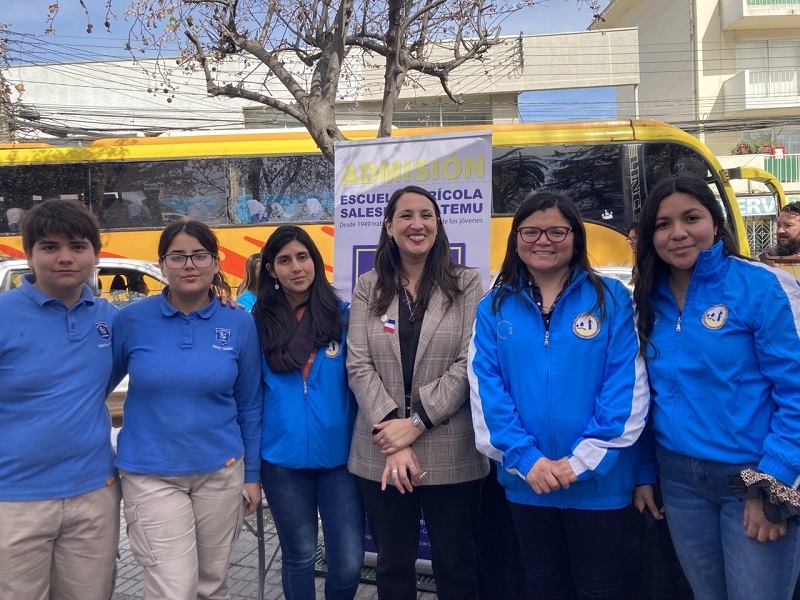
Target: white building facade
(718, 62)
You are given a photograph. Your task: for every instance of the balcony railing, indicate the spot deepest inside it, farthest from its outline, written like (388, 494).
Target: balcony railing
(760, 14)
(772, 2)
(762, 89)
(772, 83)
(786, 169)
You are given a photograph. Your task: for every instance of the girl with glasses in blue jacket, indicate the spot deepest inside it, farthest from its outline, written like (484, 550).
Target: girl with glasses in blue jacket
(559, 396)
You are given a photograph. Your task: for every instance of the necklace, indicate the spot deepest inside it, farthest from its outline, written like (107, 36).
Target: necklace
(409, 303)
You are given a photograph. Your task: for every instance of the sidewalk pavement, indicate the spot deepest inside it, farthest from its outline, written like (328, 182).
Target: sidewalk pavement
(243, 583)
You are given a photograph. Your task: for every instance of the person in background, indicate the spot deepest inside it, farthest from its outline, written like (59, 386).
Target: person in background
(309, 412)
(258, 212)
(563, 431)
(788, 233)
(59, 494)
(720, 336)
(14, 217)
(413, 449)
(248, 288)
(188, 452)
(140, 287)
(633, 237)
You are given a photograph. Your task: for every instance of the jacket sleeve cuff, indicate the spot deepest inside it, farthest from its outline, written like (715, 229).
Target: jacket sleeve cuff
(779, 471)
(252, 476)
(525, 464)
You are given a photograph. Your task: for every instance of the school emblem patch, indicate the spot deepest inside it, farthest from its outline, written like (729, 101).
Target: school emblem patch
(586, 326)
(223, 336)
(715, 317)
(104, 330)
(333, 350)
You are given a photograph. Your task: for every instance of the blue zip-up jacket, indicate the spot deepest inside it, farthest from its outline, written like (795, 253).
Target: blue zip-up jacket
(309, 424)
(726, 379)
(579, 390)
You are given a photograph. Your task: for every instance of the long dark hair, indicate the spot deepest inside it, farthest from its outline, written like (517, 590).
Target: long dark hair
(514, 272)
(276, 319)
(650, 266)
(440, 268)
(208, 240)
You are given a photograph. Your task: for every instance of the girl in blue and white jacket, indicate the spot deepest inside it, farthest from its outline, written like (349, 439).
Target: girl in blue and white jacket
(309, 413)
(559, 396)
(721, 335)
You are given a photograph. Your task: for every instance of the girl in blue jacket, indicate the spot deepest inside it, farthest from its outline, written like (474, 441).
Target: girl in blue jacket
(309, 413)
(721, 335)
(559, 395)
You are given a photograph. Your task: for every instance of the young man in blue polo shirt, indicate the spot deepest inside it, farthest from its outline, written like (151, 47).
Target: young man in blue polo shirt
(59, 495)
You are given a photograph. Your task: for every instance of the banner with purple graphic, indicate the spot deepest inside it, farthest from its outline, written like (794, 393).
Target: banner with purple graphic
(456, 169)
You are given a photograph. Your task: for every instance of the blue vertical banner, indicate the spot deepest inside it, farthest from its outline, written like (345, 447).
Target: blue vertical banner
(457, 170)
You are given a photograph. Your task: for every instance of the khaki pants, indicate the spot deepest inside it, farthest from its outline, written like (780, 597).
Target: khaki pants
(63, 549)
(182, 529)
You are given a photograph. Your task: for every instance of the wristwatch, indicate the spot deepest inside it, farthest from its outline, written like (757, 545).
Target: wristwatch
(417, 422)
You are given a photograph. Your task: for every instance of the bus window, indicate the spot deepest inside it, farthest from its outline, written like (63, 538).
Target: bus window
(293, 188)
(591, 175)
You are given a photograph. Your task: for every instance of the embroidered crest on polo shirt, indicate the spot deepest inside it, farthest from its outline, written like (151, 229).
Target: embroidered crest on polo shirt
(103, 329)
(586, 326)
(333, 350)
(715, 317)
(223, 339)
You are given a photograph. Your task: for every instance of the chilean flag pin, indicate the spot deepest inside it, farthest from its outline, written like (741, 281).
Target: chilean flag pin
(389, 326)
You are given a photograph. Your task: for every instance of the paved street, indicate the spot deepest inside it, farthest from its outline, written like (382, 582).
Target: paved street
(244, 569)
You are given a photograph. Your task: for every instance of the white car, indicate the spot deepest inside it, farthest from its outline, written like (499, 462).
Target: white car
(116, 279)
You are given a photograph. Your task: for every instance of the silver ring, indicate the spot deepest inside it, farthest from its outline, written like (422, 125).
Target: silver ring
(382, 442)
(395, 471)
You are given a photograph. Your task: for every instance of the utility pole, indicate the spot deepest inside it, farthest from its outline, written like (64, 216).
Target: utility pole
(5, 119)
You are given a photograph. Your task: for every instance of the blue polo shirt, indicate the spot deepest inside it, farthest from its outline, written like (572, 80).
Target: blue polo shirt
(55, 364)
(194, 400)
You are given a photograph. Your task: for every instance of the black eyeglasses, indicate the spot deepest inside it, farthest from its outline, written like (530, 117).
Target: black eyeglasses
(554, 234)
(201, 260)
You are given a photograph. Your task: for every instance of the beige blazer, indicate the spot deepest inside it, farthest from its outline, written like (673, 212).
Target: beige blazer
(447, 451)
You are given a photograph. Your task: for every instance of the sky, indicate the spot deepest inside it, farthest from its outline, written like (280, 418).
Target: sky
(72, 43)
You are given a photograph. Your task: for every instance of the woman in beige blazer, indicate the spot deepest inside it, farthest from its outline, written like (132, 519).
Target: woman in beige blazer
(413, 447)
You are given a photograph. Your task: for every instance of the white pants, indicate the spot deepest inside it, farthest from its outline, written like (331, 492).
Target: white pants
(182, 529)
(64, 549)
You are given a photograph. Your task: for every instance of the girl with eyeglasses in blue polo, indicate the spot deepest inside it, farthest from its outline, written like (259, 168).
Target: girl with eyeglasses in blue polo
(189, 446)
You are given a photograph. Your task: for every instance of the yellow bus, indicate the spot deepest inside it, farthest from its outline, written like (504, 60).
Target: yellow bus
(137, 185)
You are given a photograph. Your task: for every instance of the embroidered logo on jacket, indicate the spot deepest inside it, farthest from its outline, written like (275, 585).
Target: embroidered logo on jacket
(586, 326)
(715, 317)
(333, 350)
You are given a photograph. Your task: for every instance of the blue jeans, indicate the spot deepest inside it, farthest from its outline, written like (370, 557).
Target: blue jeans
(294, 495)
(706, 523)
